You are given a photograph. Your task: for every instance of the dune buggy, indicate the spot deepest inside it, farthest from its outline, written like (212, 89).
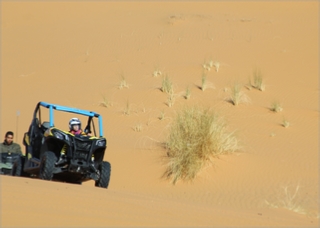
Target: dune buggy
(84, 154)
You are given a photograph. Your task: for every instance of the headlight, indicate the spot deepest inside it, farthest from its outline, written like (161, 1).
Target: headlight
(59, 135)
(101, 143)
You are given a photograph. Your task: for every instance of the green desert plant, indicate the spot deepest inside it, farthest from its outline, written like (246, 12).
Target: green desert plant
(237, 96)
(195, 137)
(276, 106)
(167, 86)
(258, 81)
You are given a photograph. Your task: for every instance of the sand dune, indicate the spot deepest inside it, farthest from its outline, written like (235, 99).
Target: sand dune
(76, 53)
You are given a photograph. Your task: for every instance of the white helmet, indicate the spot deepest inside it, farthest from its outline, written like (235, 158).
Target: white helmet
(74, 121)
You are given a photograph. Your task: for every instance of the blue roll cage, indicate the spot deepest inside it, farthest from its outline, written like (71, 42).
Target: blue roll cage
(52, 107)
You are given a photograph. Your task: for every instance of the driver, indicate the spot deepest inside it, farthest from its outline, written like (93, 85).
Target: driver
(75, 129)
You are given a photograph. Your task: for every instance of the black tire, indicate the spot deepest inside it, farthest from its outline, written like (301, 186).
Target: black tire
(17, 168)
(105, 171)
(48, 160)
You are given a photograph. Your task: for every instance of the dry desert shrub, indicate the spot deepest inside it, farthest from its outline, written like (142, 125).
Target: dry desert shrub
(258, 81)
(276, 106)
(138, 127)
(105, 102)
(216, 65)
(204, 82)
(156, 73)
(285, 123)
(127, 109)
(188, 93)
(171, 99)
(123, 83)
(209, 64)
(162, 115)
(167, 86)
(290, 199)
(237, 96)
(195, 137)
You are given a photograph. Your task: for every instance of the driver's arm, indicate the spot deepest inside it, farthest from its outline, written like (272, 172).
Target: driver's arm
(86, 134)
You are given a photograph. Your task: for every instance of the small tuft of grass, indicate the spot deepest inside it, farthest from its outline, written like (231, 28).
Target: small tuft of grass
(285, 123)
(195, 137)
(258, 81)
(272, 134)
(204, 82)
(209, 64)
(162, 115)
(188, 93)
(171, 99)
(167, 86)
(138, 127)
(157, 73)
(127, 109)
(276, 106)
(216, 65)
(237, 96)
(105, 102)
(123, 83)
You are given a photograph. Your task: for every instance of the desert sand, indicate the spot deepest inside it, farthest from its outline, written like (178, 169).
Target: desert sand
(77, 53)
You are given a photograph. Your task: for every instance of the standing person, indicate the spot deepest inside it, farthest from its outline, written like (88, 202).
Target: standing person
(8, 146)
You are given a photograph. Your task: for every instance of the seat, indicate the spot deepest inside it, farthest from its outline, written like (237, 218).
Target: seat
(45, 125)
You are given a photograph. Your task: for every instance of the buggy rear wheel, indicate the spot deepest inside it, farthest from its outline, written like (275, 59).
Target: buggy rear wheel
(105, 171)
(48, 160)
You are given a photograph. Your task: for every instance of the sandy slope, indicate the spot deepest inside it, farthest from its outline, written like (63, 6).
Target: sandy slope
(74, 53)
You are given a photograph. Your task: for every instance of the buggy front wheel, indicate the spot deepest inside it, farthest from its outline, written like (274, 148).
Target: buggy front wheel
(48, 160)
(105, 171)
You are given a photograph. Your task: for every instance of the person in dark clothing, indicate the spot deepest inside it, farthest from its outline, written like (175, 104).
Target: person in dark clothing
(8, 146)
